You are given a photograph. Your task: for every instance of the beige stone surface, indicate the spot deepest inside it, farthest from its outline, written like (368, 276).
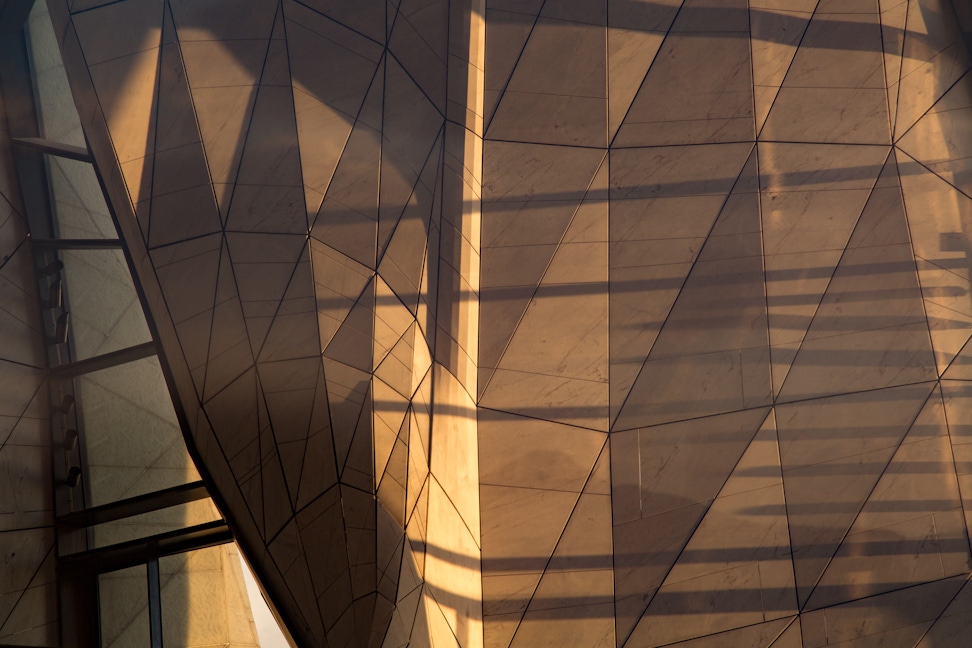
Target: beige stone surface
(563, 323)
(28, 585)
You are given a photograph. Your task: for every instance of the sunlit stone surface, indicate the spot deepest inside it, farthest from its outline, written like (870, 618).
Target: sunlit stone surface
(564, 322)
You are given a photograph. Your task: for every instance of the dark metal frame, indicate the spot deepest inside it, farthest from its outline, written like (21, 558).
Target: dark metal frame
(79, 564)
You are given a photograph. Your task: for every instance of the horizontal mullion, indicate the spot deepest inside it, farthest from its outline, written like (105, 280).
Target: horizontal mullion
(76, 244)
(182, 494)
(105, 361)
(139, 552)
(53, 148)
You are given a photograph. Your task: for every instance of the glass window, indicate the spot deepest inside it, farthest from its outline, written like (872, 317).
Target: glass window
(204, 600)
(164, 520)
(78, 202)
(132, 440)
(106, 314)
(58, 114)
(123, 600)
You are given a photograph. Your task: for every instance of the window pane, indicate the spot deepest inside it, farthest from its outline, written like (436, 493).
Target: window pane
(58, 114)
(105, 311)
(132, 440)
(123, 599)
(204, 601)
(78, 202)
(155, 522)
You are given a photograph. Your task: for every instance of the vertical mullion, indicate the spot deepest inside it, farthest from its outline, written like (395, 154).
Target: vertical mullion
(154, 603)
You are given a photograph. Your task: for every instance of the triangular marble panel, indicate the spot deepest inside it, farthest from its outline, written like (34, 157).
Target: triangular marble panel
(651, 255)
(830, 470)
(717, 106)
(810, 206)
(348, 218)
(559, 372)
(738, 555)
(915, 518)
(663, 479)
(873, 304)
(576, 590)
(775, 34)
(712, 354)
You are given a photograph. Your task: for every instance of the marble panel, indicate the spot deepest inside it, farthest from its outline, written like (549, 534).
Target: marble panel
(651, 252)
(954, 623)
(419, 41)
(223, 64)
(531, 453)
(787, 166)
(452, 570)
(738, 554)
(663, 172)
(828, 115)
(222, 114)
(175, 122)
(564, 367)
(950, 331)
(762, 635)
(700, 606)
(507, 31)
(126, 89)
(644, 552)
(322, 133)
(27, 480)
(521, 527)
(939, 140)
(894, 16)
(938, 215)
(921, 88)
(840, 50)
(716, 107)
(192, 264)
(835, 87)
(557, 93)
(873, 303)
(219, 21)
(630, 54)
(368, 18)
(711, 16)
(454, 455)
(229, 351)
(339, 282)
(348, 217)
(31, 622)
(688, 462)
(708, 340)
(119, 29)
(392, 320)
(870, 421)
(911, 528)
(396, 368)
(775, 34)
(270, 155)
(938, 32)
(895, 619)
(829, 471)
(410, 127)
(406, 254)
(536, 172)
(643, 15)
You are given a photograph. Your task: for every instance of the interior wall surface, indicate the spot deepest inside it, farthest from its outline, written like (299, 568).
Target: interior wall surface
(595, 323)
(725, 311)
(28, 588)
(295, 185)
